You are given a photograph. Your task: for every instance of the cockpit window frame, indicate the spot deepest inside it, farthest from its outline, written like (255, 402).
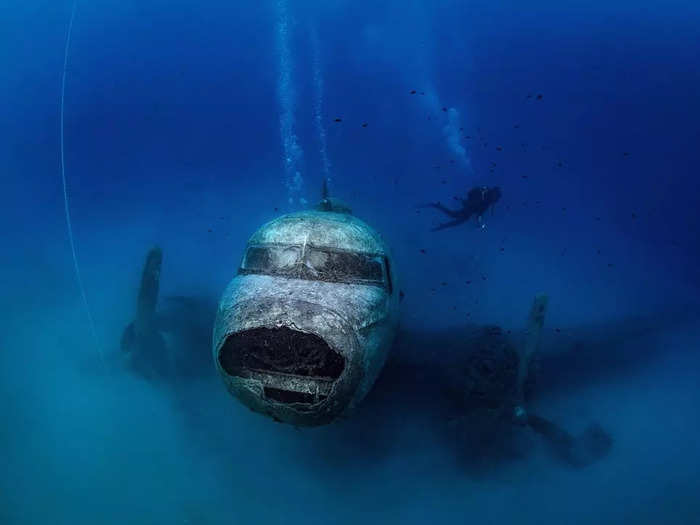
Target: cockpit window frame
(381, 259)
(387, 274)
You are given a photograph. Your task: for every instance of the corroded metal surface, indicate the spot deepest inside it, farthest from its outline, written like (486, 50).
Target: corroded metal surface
(318, 228)
(358, 321)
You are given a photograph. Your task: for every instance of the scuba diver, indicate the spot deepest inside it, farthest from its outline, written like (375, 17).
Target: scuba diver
(478, 201)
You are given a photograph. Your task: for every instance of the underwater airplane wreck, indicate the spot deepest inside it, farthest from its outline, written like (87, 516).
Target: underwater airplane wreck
(304, 330)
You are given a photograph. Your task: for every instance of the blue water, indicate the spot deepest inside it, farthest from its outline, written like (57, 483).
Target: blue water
(188, 124)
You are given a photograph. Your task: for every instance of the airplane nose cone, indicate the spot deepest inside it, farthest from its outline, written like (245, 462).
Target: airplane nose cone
(294, 360)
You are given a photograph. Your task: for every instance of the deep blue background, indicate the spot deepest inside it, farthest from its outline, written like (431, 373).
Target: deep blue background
(167, 102)
(173, 137)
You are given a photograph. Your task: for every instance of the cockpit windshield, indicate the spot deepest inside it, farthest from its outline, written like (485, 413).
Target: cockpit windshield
(316, 264)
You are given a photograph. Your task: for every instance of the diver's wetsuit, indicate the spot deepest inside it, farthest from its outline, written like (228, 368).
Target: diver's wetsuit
(478, 201)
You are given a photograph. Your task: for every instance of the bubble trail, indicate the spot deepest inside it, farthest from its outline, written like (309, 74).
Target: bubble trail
(451, 129)
(318, 104)
(286, 94)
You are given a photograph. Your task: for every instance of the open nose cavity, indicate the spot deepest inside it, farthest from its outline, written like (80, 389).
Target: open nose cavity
(295, 367)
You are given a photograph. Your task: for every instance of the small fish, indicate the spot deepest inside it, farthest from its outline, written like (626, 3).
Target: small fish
(413, 92)
(422, 250)
(539, 97)
(338, 120)
(364, 124)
